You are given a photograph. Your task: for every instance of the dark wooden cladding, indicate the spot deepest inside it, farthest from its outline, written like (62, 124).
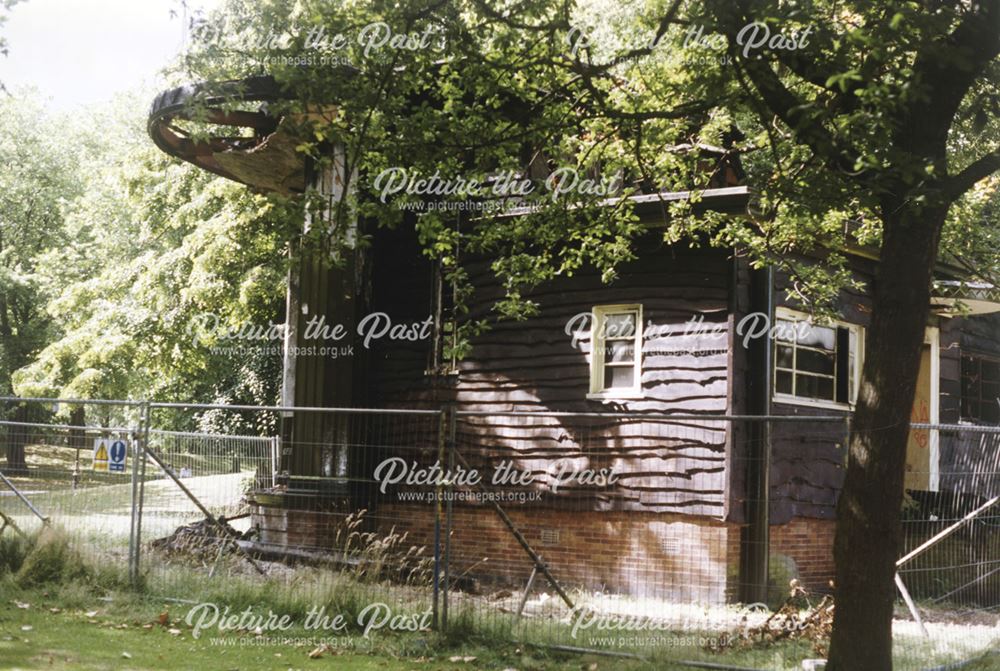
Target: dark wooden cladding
(970, 464)
(807, 465)
(970, 461)
(980, 334)
(658, 465)
(807, 459)
(950, 361)
(689, 467)
(532, 365)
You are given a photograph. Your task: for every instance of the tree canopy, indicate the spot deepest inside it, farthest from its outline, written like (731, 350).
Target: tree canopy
(121, 252)
(626, 90)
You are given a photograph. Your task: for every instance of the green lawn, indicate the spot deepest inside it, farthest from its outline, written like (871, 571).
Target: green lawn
(72, 629)
(97, 636)
(991, 663)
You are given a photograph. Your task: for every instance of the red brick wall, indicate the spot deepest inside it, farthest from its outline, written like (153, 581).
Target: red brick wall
(641, 554)
(658, 555)
(809, 541)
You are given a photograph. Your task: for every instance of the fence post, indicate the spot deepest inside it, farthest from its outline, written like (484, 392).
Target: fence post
(275, 459)
(140, 436)
(451, 446)
(436, 588)
(147, 420)
(133, 505)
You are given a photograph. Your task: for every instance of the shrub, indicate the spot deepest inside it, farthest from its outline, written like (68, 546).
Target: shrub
(52, 559)
(13, 549)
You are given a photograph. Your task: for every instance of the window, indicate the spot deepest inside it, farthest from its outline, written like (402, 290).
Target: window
(813, 363)
(616, 357)
(980, 389)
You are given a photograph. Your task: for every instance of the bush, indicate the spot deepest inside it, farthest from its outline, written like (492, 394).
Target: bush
(52, 559)
(13, 549)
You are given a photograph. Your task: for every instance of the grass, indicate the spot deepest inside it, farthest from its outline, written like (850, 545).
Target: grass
(58, 565)
(51, 575)
(70, 629)
(57, 611)
(988, 663)
(36, 638)
(89, 634)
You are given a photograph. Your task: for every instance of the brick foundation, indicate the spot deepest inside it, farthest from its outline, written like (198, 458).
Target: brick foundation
(656, 555)
(675, 557)
(809, 542)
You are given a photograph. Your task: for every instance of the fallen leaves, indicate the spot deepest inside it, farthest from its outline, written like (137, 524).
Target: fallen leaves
(319, 652)
(790, 622)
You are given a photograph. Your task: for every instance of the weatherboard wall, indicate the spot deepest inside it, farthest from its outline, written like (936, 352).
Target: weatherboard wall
(532, 366)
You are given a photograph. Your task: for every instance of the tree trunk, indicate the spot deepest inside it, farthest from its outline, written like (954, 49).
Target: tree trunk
(868, 536)
(17, 437)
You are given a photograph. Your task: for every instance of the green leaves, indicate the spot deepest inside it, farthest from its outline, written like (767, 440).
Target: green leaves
(843, 80)
(662, 96)
(146, 246)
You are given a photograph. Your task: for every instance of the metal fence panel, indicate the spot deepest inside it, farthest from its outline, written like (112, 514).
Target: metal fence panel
(243, 503)
(68, 464)
(644, 533)
(629, 532)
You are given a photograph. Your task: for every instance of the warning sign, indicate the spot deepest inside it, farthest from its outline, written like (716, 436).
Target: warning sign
(101, 454)
(110, 455)
(116, 456)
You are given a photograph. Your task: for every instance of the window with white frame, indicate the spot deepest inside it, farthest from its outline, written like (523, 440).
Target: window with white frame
(815, 363)
(616, 355)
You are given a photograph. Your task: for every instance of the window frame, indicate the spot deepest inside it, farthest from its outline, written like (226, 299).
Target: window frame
(856, 331)
(598, 315)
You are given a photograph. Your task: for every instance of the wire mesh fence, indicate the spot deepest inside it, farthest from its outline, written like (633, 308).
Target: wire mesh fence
(694, 538)
(68, 464)
(187, 473)
(949, 573)
(283, 496)
(637, 533)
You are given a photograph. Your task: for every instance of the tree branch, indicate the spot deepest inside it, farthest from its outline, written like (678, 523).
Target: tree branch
(795, 114)
(666, 19)
(946, 70)
(979, 169)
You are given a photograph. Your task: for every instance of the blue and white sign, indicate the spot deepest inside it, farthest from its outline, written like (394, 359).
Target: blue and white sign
(117, 451)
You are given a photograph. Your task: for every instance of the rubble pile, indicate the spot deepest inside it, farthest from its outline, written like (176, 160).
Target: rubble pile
(200, 540)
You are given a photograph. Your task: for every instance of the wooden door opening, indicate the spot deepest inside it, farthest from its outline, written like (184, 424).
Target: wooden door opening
(922, 459)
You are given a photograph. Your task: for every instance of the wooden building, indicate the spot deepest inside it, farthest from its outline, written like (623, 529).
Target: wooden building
(700, 506)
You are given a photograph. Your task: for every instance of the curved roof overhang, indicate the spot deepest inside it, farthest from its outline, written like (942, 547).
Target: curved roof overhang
(246, 142)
